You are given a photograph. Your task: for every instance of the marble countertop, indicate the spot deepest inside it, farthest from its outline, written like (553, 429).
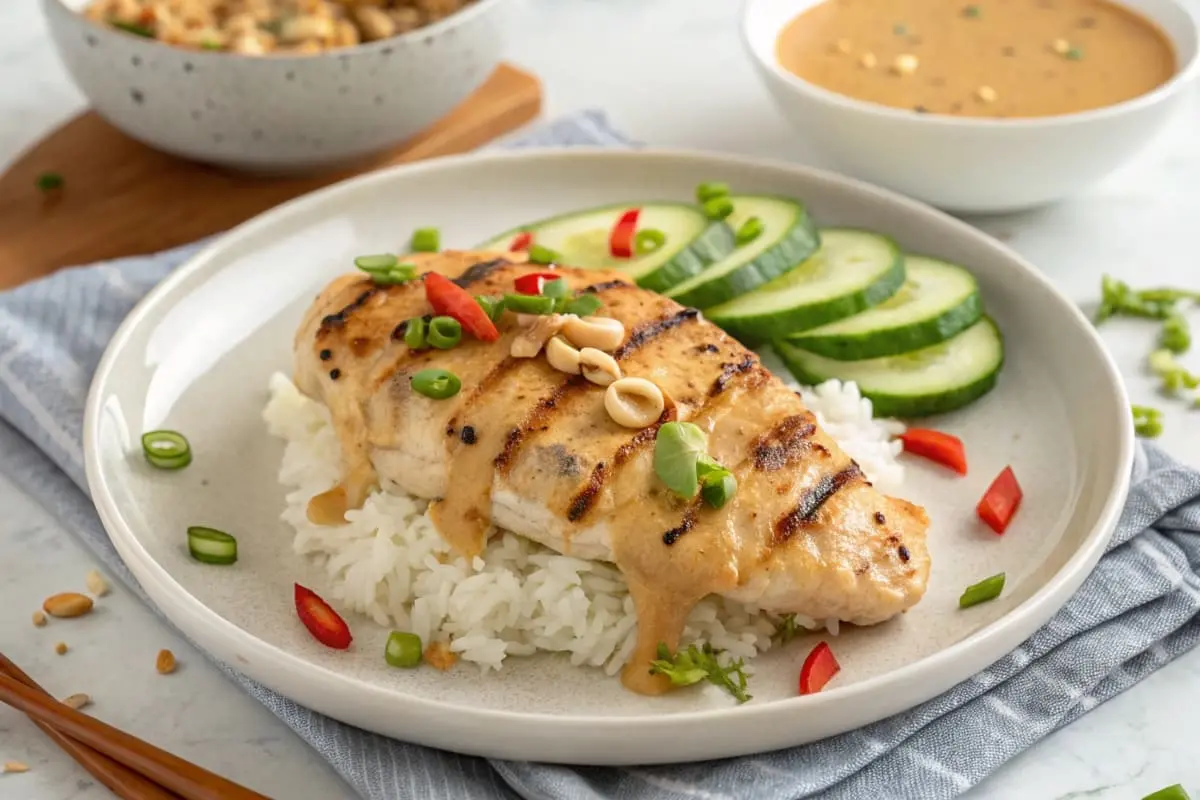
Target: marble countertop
(625, 56)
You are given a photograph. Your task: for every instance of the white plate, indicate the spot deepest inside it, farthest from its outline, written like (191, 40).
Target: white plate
(196, 355)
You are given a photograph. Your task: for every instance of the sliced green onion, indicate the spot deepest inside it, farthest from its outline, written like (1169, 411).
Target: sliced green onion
(583, 306)
(426, 240)
(718, 208)
(444, 332)
(49, 181)
(211, 546)
(987, 589)
(1147, 421)
(678, 448)
(710, 189)
(718, 488)
(492, 306)
(436, 383)
(381, 262)
(401, 273)
(529, 303)
(403, 649)
(647, 240)
(556, 288)
(132, 27)
(1175, 792)
(166, 449)
(751, 229)
(542, 255)
(414, 333)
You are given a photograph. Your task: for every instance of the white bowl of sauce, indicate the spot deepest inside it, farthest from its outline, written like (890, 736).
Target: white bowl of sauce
(976, 105)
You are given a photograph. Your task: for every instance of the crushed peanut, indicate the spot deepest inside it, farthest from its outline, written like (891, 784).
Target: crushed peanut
(15, 766)
(843, 46)
(77, 701)
(39, 619)
(986, 94)
(439, 656)
(61, 648)
(868, 60)
(165, 663)
(1060, 46)
(67, 604)
(905, 64)
(96, 583)
(257, 27)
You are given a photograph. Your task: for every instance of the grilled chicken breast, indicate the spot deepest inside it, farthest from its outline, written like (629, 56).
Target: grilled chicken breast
(530, 449)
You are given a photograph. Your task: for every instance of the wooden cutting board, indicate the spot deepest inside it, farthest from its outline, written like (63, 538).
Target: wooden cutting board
(121, 198)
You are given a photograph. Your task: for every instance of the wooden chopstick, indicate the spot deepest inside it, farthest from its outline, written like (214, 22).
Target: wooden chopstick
(189, 781)
(120, 779)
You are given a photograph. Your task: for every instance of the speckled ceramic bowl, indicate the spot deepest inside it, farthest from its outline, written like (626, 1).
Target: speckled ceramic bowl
(279, 113)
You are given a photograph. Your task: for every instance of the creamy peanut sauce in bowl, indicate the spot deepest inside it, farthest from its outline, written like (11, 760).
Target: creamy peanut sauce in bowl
(988, 58)
(976, 106)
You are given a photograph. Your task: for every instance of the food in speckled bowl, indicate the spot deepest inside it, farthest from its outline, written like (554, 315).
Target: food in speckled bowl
(279, 113)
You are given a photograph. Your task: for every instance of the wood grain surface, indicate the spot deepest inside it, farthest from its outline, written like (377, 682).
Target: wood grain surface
(121, 198)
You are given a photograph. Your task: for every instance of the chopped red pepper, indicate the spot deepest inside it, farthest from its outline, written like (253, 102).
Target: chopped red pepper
(944, 448)
(451, 300)
(534, 282)
(620, 240)
(819, 668)
(521, 241)
(1000, 501)
(322, 621)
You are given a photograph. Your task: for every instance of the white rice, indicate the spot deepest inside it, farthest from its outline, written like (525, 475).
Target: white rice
(389, 563)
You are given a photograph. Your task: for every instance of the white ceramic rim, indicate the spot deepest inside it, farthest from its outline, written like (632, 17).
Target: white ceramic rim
(960, 660)
(1184, 74)
(460, 17)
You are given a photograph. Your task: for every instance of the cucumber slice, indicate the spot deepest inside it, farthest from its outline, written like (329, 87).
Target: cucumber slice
(932, 380)
(788, 237)
(937, 301)
(693, 241)
(852, 271)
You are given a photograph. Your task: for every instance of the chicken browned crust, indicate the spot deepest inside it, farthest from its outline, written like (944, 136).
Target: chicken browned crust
(532, 450)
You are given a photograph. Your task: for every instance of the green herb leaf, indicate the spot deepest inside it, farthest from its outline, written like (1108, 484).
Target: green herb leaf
(678, 448)
(1147, 421)
(49, 181)
(690, 666)
(786, 628)
(1118, 299)
(1175, 334)
(583, 306)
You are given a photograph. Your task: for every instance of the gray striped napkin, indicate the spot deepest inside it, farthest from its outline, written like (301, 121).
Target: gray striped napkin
(1135, 613)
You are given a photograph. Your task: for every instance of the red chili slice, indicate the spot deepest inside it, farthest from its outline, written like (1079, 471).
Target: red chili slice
(1000, 501)
(620, 240)
(322, 621)
(534, 282)
(451, 300)
(943, 448)
(521, 241)
(819, 668)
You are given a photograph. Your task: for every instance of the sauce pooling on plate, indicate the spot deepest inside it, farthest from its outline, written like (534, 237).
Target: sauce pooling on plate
(991, 58)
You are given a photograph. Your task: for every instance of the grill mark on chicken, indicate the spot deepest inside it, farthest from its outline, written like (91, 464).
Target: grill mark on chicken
(686, 524)
(480, 271)
(644, 334)
(584, 500)
(596, 288)
(812, 500)
(339, 318)
(729, 371)
(537, 419)
(785, 443)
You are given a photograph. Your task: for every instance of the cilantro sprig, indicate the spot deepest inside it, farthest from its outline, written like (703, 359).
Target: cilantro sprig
(695, 664)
